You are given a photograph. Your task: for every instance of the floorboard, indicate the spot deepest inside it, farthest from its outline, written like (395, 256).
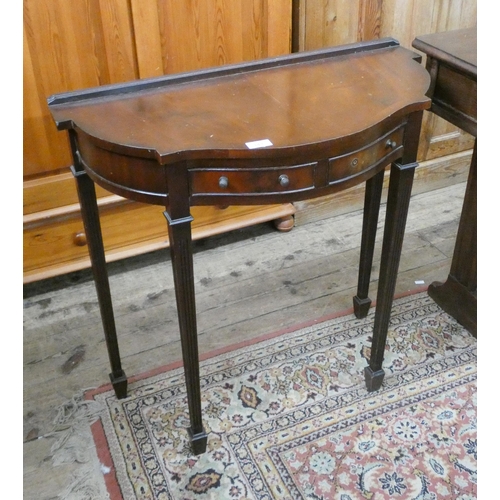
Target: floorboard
(249, 282)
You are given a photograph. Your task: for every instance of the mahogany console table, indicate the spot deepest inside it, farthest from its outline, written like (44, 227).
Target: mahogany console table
(452, 64)
(271, 131)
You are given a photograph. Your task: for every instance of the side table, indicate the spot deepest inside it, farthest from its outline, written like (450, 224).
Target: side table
(270, 131)
(452, 65)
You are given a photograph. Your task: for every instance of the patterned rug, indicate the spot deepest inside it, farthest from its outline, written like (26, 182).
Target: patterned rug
(289, 417)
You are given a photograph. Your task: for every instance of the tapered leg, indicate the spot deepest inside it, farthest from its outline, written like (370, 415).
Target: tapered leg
(90, 216)
(398, 200)
(373, 194)
(179, 231)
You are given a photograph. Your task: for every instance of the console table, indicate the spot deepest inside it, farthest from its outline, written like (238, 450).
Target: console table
(452, 65)
(270, 131)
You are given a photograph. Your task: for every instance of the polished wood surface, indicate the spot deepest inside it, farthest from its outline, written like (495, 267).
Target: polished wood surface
(330, 119)
(323, 23)
(288, 103)
(82, 44)
(210, 117)
(452, 64)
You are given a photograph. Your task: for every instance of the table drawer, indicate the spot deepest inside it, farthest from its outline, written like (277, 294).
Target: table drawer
(352, 164)
(246, 181)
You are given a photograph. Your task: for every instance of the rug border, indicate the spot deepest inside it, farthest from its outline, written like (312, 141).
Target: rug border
(97, 429)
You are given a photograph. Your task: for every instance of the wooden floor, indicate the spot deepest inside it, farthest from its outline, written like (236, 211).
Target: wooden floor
(248, 282)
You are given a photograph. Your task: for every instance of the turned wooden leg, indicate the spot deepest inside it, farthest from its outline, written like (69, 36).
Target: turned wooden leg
(179, 231)
(373, 194)
(90, 216)
(284, 224)
(398, 200)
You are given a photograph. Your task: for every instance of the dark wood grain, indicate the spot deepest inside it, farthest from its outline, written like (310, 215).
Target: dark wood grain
(90, 217)
(373, 194)
(334, 118)
(452, 65)
(196, 117)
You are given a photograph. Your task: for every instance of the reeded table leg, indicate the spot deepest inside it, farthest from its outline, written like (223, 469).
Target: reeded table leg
(373, 194)
(179, 231)
(398, 200)
(90, 216)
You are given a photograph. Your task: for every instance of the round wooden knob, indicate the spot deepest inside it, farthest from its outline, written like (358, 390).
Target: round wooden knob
(80, 239)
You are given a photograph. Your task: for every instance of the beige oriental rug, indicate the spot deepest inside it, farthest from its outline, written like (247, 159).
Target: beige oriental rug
(289, 417)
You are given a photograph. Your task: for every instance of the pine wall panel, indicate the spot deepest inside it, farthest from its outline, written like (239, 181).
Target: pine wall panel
(76, 44)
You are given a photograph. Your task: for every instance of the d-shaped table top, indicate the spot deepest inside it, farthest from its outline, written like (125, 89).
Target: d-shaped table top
(288, 128)
(258, 109)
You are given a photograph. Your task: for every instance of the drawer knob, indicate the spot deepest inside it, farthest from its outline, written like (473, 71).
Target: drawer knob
(390, 144)
(79, 239)
(223, 182)
(284, 180)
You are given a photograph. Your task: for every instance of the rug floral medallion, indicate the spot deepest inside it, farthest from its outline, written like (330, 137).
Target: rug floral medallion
(290, 418)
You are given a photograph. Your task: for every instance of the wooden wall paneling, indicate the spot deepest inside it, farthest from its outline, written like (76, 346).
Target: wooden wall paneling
(112, 21)
(279, 23)
(467, 14)
(370, 19)
(78, 44)
(187, 34)
(254, 26)
(68, 46)
(196, 34)
(38, 132)
(226, 32)
(440, 138)
(323, 23)
(266, 28)
(329, 23)
(147, 37)
(398, 19)
(406, 19)
(59, 35)
(53, 71)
